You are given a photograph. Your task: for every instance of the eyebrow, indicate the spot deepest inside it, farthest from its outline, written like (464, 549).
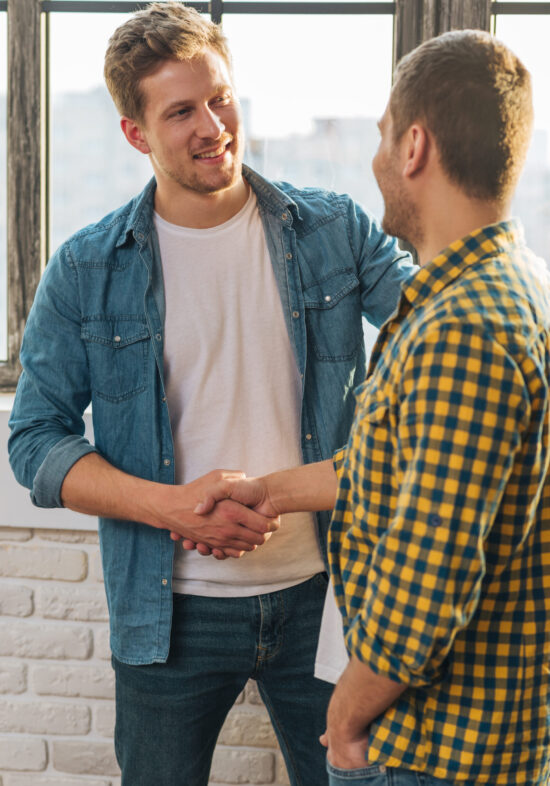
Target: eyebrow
(186, 102)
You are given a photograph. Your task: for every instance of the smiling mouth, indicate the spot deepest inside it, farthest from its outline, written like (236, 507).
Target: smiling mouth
(212, 154)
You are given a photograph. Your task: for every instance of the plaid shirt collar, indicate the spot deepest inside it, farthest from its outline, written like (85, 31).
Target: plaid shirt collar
(450, 263)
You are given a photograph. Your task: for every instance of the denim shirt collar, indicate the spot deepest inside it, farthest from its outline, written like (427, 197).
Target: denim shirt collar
(269, 196)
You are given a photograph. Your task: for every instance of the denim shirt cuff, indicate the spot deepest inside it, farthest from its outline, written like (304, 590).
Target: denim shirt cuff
(46, 490)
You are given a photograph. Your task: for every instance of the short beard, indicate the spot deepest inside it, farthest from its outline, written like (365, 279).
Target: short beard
(402, 220)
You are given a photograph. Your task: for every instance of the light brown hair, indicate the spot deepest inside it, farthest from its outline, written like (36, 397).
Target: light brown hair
(163, 31)
(474, 96)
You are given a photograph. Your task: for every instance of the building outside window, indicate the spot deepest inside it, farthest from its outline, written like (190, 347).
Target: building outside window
(312, 86)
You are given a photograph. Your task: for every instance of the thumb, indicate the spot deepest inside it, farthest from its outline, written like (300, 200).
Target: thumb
(205, 506)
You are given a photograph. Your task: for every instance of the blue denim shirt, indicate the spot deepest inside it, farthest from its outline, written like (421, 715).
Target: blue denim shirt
(96, 332)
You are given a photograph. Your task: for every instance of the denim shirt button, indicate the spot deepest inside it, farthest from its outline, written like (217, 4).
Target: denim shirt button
(289, 255)
(284, 216)
(295, 314)
(117, 339)
(308, 436)
(327, 298)
(164, 582)
(166, 462)
(382, 768)
(158, 337)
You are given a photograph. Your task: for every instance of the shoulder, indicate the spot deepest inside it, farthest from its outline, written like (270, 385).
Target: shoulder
(320, 201)
(98, 243)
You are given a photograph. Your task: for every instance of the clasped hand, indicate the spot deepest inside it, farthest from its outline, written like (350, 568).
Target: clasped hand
(241, 502)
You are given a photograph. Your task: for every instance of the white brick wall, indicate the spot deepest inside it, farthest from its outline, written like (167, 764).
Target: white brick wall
(56, 682)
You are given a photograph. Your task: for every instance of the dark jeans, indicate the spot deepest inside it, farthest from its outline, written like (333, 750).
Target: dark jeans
(375, 775)
(169, 714)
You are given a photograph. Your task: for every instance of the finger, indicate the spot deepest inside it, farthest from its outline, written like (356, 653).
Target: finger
(189, 545)
(204, 550)
(225, 553)
(206, 505)
(323, 739)
(175, 536)
(249, 518)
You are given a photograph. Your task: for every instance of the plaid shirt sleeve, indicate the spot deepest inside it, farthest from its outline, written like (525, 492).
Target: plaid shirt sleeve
(452, 432)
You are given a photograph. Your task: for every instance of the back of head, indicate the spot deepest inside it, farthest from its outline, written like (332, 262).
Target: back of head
(474, 96)
(163, 31)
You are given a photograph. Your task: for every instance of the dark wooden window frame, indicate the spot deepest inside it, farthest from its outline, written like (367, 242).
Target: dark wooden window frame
(27, 165)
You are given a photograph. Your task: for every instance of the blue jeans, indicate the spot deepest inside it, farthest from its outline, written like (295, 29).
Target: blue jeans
(168, 715)
(379, 775)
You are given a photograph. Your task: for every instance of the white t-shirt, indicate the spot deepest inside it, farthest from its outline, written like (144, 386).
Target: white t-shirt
(233, 391)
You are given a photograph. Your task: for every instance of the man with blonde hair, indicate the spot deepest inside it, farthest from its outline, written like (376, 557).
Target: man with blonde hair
(440, 537)
(214, 320)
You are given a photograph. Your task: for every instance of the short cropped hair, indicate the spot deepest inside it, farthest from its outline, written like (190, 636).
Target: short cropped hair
(474, 96)
(161, 32)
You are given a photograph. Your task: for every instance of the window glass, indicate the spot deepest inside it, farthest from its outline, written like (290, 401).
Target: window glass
(3, 187)
(93, 169)
(528, 37)
(310, 117)
(312, 89)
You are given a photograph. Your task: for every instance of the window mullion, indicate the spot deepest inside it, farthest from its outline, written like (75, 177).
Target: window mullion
(24, 173)
(418, 20)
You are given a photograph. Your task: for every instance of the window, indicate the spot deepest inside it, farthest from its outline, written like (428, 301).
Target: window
(3, 190)
(93, 169)
(295, 131)
(528, 37)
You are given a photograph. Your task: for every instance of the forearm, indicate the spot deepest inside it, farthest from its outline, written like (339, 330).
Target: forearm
(360, 696)
(95, 487)
(311, 487)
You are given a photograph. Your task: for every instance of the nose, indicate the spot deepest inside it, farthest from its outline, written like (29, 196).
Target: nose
(209, 125)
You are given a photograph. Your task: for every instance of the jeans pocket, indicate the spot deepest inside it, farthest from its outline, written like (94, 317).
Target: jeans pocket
(372, 774)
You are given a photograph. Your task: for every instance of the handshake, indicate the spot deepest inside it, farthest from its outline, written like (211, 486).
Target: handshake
(225, 514)
(237, 514)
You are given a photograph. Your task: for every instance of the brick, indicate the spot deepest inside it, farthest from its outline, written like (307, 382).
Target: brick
(15, 600)
(67, 536)
(20, 534)
(281, 774)
(96, 570)
(94, 682)
(23, 753)
(102, 648)
(55, 780)
(13, 677)
(250, 727)
(34, 640)
(36, 562)
(84, 757)
(242, 766)
(240, 698)
(252, 693)
(33, 717)
(105, 719)
(62, 603)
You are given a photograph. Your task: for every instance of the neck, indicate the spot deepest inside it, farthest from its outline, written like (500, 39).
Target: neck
(196, 210)
(449, 216)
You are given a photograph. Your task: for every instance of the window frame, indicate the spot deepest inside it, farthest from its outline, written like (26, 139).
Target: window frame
(28, 109)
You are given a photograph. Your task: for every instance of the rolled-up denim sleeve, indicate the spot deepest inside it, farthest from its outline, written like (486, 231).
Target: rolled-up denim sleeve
(46, 423)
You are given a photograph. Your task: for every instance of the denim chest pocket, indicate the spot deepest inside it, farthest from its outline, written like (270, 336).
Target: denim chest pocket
(117, 349)
(333, 316)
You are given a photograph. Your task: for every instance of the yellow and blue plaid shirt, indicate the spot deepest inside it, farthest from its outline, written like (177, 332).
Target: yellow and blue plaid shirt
(440, 539)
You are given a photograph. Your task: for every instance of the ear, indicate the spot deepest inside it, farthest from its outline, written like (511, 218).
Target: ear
(134, 134)
(417, 146)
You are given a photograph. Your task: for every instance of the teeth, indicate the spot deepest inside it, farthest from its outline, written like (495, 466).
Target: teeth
(214, 154)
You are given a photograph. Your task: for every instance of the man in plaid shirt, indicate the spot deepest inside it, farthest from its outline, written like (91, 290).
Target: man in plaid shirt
(440, 538)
